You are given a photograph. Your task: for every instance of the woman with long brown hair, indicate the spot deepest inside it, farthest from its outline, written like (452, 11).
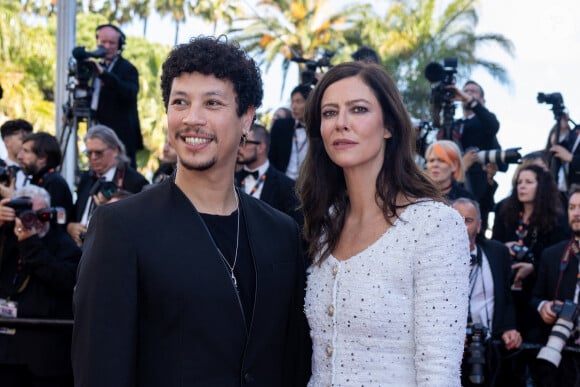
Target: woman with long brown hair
(387, 291)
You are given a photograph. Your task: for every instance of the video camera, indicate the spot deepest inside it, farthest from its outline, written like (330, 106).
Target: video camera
(23, 208)
(80, 71)
(476, 336)
(308, 75)
(441, 76)
(557, 102)
(567, 315)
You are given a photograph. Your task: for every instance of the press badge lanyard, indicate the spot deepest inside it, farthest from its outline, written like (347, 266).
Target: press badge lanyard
(260, 181)
(572, 248)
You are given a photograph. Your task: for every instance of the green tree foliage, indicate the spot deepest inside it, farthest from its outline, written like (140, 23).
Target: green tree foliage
(412, 34)
(293, 29)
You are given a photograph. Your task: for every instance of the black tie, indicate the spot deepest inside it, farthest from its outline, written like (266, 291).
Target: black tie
(244, 173)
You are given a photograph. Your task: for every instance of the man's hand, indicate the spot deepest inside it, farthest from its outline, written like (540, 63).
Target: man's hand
(512, 339)
(491, 169)
(6, 191)
(546, 312)
(469, 158)
(7, 214)
(75, 230)
(22, 232)
(562, 153)
(524, 269)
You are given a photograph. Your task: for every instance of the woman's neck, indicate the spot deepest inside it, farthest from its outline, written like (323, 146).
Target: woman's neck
(445, 186)
(528, 210)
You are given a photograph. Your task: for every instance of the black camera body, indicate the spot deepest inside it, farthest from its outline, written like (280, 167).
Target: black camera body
(557, 102)
(7, 172)
(106, 188)
(307, 77)
(561, 331)
(80, 72)
(23, 208)
(476, 336)
(521, 252)
(441, 76)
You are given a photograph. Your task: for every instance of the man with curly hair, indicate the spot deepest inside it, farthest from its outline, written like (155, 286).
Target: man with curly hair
(192, 282)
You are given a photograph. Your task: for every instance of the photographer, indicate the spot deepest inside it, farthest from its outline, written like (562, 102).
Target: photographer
(564, 152)
(108, 162)
(490, 300)
(40, 156)
(476, 132)
(12, 132)
(557, 281)
(37, 276)
(115, 88)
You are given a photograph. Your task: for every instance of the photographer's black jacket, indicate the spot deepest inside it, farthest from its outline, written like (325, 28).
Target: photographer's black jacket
(51, 263)
(118, 104)
(547, 280)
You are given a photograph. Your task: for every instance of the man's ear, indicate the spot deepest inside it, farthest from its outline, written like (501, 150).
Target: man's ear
(247, 120)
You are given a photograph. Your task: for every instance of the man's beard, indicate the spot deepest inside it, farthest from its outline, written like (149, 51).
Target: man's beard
(29, 169)
(199, 166)
(248, 160)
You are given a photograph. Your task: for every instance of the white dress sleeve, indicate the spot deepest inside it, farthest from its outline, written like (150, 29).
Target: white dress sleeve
(441, 286)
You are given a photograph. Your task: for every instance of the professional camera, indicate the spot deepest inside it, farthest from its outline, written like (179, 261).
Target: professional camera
(23, 208)
(106, 188)
(557, 102)
(80, 71)
(499, 157)
(567, 314)
(476, 336)
(521, 252)
(441, 76)
(308, 76)
(7, 172)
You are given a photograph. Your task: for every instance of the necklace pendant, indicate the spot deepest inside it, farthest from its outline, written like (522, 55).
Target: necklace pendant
(234, 280)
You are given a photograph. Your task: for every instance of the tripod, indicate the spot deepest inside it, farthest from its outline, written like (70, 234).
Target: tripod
(76, 110)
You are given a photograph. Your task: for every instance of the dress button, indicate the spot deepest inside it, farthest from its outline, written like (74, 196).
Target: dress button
(329, 350)
(335, 270)
(331, 310)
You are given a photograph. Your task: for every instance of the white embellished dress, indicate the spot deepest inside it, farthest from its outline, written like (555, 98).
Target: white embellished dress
(395, 313)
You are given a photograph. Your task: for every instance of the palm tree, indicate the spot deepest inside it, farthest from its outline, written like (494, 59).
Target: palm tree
(177, 9)
(298, 30)
(214, 11)
(142, 10)
(408, 38)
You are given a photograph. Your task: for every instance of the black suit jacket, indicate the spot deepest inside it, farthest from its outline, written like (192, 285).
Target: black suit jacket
(155, 305)
(547, 279)
(118, 104)
(132, 182)
(279, 191)
(499, 259)
(51, 264)
(281, 137)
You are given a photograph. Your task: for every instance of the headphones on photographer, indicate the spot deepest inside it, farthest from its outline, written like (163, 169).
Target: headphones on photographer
(122, 37)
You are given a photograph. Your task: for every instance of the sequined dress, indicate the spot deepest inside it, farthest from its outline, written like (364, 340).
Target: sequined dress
(394, 314)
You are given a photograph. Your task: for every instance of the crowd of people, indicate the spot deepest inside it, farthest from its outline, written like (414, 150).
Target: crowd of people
(316, 252)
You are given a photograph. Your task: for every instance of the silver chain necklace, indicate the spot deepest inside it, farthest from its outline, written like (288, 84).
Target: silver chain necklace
(233, 266)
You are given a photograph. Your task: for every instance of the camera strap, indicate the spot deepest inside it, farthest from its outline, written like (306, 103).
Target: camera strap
(571, 248)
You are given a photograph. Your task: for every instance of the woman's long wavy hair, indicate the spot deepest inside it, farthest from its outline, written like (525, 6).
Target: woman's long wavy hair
(547, 206)
(321, 185)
